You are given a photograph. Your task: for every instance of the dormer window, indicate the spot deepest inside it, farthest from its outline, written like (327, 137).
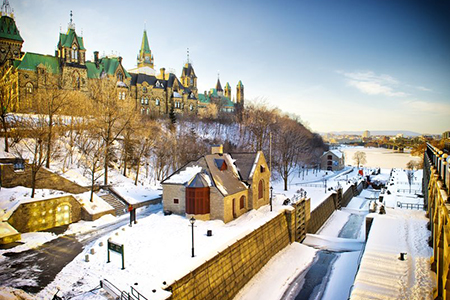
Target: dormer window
(144, 89)
(157, 102)
(220, 164)
(119, 76)
(158, 84)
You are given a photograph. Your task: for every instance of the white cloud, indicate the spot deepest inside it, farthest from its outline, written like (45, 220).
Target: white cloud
(422, 88)
(428, 107)
(372, 84)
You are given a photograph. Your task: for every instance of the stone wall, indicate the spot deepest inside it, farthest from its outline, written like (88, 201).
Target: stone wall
(46, 213)
(45, 179)
(225, 274)
(321, 213)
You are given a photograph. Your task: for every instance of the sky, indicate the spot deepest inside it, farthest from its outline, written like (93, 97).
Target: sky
(340, 65)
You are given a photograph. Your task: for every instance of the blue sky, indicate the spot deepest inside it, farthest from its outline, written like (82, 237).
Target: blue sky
(338, 64)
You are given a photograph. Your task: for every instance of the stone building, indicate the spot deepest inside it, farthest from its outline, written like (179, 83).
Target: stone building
(332, 160)
(153, 94)
(218, 186)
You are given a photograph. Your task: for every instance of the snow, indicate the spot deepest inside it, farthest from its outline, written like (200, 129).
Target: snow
(157, 249)
(382, 275)
(380, 157)
(137, 194)
(184, 176)
(274, 278)
(98, 205)
(252, 171)
(336, 152)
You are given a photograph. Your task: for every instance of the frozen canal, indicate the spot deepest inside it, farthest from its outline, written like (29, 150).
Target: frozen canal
(335, 265)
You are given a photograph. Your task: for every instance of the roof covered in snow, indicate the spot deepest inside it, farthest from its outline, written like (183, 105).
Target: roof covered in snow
(335, 152)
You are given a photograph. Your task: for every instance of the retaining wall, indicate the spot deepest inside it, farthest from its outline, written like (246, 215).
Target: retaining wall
(225, 274)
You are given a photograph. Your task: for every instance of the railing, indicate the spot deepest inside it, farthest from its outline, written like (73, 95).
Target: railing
(439, 160)
(410, 205)
(410, 191)
(118, 294)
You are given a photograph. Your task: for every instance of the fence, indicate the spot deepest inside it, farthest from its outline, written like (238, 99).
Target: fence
(410, 205)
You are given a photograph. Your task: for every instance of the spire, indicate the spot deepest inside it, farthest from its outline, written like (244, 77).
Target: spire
(6, 9)
(218, 86)
(145, 57)
(145, 48)
(188, 55)
(71, 24)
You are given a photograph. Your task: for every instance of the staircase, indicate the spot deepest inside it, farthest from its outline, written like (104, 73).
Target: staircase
(120, 208)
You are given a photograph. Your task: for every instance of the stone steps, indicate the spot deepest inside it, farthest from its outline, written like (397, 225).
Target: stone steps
(119, 207)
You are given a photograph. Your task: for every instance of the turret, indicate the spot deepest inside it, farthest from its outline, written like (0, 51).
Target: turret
(145, 57)
(240, 93)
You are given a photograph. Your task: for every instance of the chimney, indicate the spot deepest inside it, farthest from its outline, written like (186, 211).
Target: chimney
(163, 73)
(120, 59)
(217, 149)
(96, 58)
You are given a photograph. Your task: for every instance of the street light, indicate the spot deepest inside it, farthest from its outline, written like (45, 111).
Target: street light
(192, 220)
(271, 195)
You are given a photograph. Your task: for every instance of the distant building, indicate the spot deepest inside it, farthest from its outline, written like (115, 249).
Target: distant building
(332, 160)
(218, 186)
(366, 134)
(446, 135)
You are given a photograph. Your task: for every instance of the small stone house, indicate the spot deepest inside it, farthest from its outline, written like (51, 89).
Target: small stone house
(332, 160)
(218, 186)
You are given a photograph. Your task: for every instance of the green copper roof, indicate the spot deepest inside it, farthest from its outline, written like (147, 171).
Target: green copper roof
(8, 29)
(240, 83)
(31, 60)
(107, 65)
(203, 99)
(145, 48)
(66, 39)
(227, 86)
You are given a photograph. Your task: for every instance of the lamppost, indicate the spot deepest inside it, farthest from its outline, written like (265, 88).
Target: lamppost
(192, 220)
(271, 195)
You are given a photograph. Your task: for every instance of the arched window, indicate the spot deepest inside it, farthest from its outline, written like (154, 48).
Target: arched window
(242, 202)
(119, 76)
(144, 89)
(74, 53)
(76, 81)
(261, 189)
(191, 107)
(29, 88)
(148, 111)
(142, 111)
(157, 102)
(142, 100)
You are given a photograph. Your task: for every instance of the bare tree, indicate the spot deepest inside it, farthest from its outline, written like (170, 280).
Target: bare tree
(360, 158)
(8, 100)
(33, 146)
(258, 118)
(92, 148)
(145, 139)
(50, 101)
(111, 115)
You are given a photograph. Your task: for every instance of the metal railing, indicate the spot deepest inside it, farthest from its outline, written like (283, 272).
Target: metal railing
(440, 161)
(410, 205)
(118, 294)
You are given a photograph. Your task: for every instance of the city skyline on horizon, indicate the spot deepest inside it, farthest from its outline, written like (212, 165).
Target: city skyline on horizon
(339, 67)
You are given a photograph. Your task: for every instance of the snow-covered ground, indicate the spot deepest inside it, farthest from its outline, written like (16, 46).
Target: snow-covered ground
(380, 157)
(158, 248)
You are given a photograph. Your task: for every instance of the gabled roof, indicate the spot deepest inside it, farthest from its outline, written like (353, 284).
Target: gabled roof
(31, 60)
(227, 181)
(245, 163)
(8, 29)
(65, 40)
(335, 152)
(188, 71)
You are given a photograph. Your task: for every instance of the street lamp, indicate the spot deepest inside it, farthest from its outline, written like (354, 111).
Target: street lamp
(271, 195)
(192, 221)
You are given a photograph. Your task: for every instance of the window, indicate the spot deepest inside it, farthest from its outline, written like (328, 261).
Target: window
(142, 111)
(122, 95)
(119, 76)
(146, 101)
(192, 81)
(76, 81)
(144, 89)
(261, 189)
(29, 88)
(330, 157)
(157, 102)
(191, 107)
(262, 169)
(148, 111)
(142, 100)
(242, 202)
(329, 163)
(176, 201)
(74, 53)
(158, 84)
